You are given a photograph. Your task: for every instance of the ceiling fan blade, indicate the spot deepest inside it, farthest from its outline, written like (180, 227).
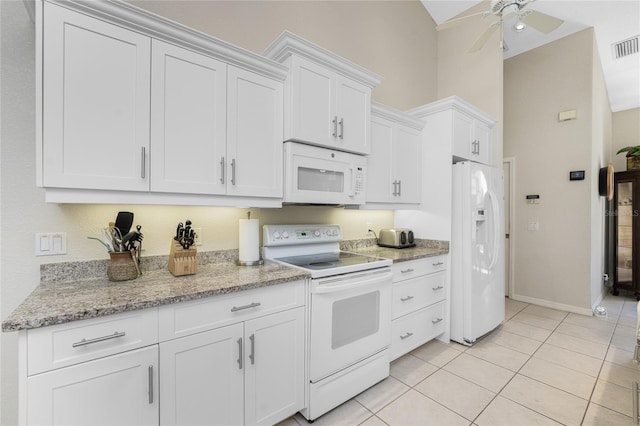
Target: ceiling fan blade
(455, 21)
(541, 21)
(484, 37)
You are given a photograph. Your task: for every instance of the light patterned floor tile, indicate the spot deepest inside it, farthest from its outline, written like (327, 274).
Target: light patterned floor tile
(590, 321)
(436, 352)
(571, 381)
(599, 416)
(411, 370)
(504, 412)
(620, 357)
(348, 414)
(373, 421)
(546, 400)
(614, 397)
(413, 408)
(514, 341)
(620, 375)
(455, 393)
(537, 321)
(591, 334)
(630, 320)
(381, 394)
(499, 355)
(624, 337)
(545, 312)
(570, 359)
(575, 344)
(480, 372)
(526, 330)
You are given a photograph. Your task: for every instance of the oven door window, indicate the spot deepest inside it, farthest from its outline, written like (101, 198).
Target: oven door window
(355, 318)
(314, 179)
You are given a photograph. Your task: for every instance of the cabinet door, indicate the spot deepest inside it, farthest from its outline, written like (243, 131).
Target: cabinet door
(380, 187)
(274, 377)
(463, 142)
(353, 109)
(188, 121)
(482, 136)
(406, 164)
(201, 378)
(312, 113)
(116, 390)
(96, 79)
(254, 134)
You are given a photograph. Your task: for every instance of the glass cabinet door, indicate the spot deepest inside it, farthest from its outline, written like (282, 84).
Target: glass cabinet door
(624, 247)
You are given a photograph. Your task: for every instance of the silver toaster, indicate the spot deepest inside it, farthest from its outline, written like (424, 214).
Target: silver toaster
(396, 238)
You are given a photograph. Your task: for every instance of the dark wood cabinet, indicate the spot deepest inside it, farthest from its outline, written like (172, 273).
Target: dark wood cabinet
(626, 231)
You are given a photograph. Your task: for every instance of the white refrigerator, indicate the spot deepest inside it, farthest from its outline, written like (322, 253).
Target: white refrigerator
(477, 251)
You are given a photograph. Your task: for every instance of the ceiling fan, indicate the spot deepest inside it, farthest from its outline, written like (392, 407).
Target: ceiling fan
(506, 9)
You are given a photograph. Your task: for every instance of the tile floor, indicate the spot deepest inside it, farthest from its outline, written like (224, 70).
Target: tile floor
(540, 367)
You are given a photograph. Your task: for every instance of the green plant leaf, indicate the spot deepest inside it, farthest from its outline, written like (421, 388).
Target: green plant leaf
(631, 151)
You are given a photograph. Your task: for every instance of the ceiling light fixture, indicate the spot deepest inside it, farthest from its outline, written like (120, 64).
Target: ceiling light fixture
(519, 26)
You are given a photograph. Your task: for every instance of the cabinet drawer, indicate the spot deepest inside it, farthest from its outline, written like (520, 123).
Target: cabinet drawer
(183, 319)
(66, 344)
(413, 268)
(419, 292)
(415, 329)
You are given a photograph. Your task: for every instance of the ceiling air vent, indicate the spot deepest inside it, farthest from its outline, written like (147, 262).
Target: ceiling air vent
(625, 47)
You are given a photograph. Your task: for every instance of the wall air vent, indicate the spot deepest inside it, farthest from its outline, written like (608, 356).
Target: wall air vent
(625, 47)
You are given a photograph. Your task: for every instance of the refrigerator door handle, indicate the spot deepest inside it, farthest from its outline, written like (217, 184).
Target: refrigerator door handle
(496, 225)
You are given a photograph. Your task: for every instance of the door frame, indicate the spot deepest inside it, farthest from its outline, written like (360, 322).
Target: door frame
(510, 210)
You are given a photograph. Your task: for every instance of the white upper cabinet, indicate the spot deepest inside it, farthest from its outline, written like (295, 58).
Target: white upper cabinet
(95, 100)
(394, 165)
(471, 138)
(188, 121)
(327, 98)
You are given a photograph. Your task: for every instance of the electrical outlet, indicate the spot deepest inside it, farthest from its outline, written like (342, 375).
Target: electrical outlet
(198, 232)
(369, 227)
(51, 243)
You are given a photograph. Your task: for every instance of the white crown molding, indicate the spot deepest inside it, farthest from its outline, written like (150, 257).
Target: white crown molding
(453, 102)
(398, 116)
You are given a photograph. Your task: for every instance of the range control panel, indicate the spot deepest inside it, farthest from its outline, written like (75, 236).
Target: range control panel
(277, 235)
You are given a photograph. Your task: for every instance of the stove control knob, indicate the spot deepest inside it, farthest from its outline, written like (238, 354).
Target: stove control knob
(316, 233)
(285, 235)
(276, 235)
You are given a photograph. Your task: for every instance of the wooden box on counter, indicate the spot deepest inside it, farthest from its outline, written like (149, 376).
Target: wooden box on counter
(182, 261)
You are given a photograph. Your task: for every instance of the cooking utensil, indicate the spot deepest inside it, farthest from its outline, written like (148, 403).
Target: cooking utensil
(124, 220)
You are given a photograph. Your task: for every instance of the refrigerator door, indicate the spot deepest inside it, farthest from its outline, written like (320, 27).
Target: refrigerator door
(477, 251)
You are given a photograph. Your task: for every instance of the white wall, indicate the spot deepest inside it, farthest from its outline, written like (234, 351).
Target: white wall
(626, 132)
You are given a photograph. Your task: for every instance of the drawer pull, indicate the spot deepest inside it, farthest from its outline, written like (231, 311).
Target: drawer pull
(249, 306)
(84, 342)
(406, 336)
(437, 320)
(438, 264)
(406, 271)
(405, 299)
(437, 288)
(151, 384)
(252, 355)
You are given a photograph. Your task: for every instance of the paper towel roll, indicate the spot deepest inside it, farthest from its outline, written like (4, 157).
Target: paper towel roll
(249, 240)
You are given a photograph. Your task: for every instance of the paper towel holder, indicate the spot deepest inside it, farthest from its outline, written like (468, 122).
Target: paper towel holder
(249, 262)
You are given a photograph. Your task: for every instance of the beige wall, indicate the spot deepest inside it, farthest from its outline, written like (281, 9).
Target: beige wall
(551, 263)
(395, 39)
(626, 132)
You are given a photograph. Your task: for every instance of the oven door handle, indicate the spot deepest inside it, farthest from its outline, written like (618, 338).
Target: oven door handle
(342, 284)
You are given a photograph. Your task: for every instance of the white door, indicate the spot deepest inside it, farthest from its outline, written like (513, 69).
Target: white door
(201, 381)
(482, 137)
(507, 172)
(406, 164)
(96, 81)
(379, 167)
(188, 121)
(254, 134)
(312, 111)
(274, 374)
(116, 390)
(463, 136)
(353, 109)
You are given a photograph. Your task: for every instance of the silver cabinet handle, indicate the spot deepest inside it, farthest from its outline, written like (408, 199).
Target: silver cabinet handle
(240, 353)
(406, 271)
(252, 355)
(151, 384)
(438, 263)
(406, 336)
(222, 170)
(399, 188)
(437, 320)
(143, 157)
(233, 171)
(395, 189)
(405, 299)
(437, 288)
(341, 136)
(249, 306)
(335, 126)
(84, 342)
(477, 147)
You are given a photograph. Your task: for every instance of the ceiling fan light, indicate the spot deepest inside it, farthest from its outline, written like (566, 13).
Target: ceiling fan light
(519, 26)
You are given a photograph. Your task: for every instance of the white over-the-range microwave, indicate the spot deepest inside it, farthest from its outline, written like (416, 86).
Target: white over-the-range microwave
(316, 175)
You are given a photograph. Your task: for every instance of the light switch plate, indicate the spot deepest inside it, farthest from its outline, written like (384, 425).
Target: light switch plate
(51, 243)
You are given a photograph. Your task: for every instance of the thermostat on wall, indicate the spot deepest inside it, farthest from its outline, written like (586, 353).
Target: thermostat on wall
(533, 199)
(576, 175)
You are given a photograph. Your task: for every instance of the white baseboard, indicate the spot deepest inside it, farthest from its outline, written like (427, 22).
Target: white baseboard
(552, 305)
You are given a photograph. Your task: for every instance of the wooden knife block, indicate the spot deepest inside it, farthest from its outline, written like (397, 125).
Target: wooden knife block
(182, 261)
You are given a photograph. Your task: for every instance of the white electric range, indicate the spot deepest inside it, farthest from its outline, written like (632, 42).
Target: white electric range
(349, 327)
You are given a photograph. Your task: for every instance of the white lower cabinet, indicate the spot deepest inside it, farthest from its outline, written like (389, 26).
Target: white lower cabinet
(120, 389)
(249, 373)
(419, 303)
